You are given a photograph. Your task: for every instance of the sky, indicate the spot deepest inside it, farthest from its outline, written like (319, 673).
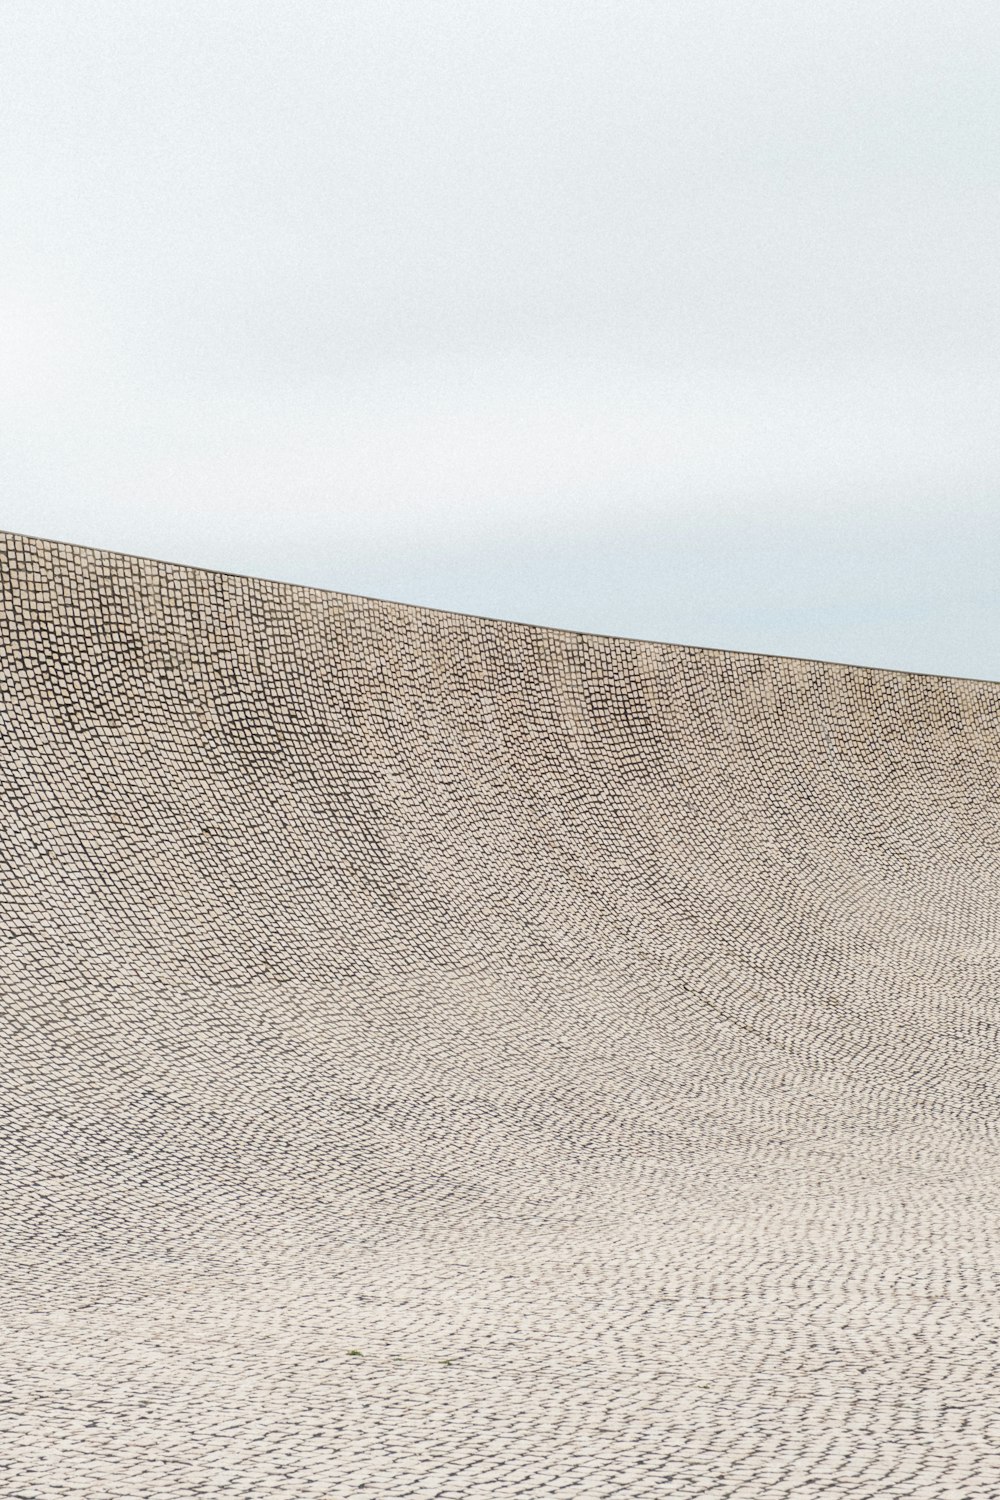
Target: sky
(675, 319)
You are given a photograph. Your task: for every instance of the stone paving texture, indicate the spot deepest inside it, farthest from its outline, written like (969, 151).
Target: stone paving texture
(449, 1058)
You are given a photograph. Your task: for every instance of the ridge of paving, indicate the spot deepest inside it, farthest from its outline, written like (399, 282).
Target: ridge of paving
(311, 588)
(597, 1035)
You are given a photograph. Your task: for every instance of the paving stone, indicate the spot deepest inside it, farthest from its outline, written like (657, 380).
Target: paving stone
(599, 1036)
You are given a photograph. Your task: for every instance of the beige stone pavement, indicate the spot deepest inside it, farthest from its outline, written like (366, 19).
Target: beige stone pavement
(448, 1058)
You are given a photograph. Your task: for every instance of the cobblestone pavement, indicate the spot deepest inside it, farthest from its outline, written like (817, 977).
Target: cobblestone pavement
(447, 1058)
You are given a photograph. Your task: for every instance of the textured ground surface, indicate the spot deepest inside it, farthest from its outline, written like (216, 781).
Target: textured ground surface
(599, 1037)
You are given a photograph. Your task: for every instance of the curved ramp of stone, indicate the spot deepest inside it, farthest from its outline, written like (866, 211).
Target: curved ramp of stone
(450, 1058)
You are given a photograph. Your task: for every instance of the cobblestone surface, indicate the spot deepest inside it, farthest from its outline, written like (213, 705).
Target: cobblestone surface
(445, 1058)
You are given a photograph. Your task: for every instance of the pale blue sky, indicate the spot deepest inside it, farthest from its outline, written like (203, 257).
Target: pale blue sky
(677, 319)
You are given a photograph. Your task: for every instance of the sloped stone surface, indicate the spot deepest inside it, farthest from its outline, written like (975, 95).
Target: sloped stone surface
(600, 1038)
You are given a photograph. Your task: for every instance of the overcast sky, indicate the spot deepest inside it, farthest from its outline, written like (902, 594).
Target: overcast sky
(676, 319)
